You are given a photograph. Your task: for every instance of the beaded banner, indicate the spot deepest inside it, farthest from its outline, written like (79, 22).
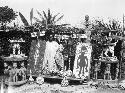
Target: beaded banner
(82, 60)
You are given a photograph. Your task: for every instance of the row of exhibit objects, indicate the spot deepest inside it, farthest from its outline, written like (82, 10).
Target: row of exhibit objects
(40, 80)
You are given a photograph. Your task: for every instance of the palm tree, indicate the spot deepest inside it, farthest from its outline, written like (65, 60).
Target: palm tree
(48, 20)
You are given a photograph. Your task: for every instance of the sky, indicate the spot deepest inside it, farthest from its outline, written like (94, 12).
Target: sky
(74, 11)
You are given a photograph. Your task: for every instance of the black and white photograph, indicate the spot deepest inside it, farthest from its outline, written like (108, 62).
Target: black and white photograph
(62, 46)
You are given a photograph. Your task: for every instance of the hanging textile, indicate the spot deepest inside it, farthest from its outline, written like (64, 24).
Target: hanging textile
(82, 60)
(36, 56)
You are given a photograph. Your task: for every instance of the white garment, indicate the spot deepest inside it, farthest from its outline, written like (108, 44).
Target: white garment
(49, 57)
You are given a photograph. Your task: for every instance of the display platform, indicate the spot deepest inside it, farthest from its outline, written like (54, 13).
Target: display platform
(16, 83)
(61, 78)
(109, 60)
(68, 78)
(15, 58)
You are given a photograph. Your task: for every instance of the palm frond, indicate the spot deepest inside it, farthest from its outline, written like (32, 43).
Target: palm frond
(45, 15)
(40, 15)
(49, 14)
(48, 20)
(37, 20)
(54, 17)
(59, 18)
(49, 17)
(25, 22)
(31, 15)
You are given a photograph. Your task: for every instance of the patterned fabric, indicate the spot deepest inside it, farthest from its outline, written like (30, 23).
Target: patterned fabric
(36, 56)
(82, 60)
(59, 58)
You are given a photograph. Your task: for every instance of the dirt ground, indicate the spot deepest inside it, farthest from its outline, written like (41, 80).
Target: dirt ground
(57, 88)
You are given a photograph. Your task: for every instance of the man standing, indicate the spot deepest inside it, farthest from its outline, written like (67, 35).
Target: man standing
(49, 57)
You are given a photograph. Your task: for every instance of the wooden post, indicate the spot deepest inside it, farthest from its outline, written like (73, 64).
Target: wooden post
(120, 62)
(2, 90)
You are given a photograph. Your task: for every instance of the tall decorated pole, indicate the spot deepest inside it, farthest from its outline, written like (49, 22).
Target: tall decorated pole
(89, 47)
(87, 27)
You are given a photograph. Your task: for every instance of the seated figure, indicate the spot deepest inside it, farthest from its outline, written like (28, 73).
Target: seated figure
(107, 72)
(13, 73)
(22, 72)
(110, 50)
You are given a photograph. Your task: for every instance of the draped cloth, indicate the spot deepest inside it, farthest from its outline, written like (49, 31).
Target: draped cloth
(36, 56)
(49, 57)
(82, 60)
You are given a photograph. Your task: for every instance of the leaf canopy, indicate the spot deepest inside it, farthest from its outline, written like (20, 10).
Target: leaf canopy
(48, 19)
(7, 14)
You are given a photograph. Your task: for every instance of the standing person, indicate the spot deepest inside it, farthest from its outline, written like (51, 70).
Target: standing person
(50, 52)
(71, 53)
(7, 69)
(65, 53)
